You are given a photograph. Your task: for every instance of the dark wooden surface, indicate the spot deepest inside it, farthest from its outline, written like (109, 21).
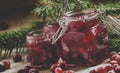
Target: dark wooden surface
(20, 65)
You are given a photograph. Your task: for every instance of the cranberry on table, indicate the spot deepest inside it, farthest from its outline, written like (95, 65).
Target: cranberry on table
(53, 67)
(17, 58)
(102, 70)
(58, 70)
(114, 57)
(114, 66)
(117, 69)
(108, 67)
(113, 62)
(6, 64)
(93, 71)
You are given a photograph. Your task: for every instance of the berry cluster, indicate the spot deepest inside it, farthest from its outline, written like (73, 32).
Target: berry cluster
(4, 65)
(112, 67)
(29, 69)
(59, 68)
(55, 68)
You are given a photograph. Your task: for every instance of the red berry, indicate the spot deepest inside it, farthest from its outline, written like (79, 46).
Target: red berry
(33, 70)
(21, 71)
(7, 64)
(108, 67)
(114, 66)
(114, 57)
(17, 58)
(102, 70)
(117, 69)
(2, 67)
(58, 70)
(53, 67)
(113, 62)
(70, 71)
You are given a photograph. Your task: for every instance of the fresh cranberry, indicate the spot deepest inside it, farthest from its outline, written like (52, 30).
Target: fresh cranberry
(114, 66)
(53, 67)
(114, 57)
(2, 67)
(108, 67)
(58, 70)
(117, 69)
(21, 71)
(113, 62)
(70, 71)
(7, 64)
(17, 58)
(93, 71)
(102, 70)
(33, 70)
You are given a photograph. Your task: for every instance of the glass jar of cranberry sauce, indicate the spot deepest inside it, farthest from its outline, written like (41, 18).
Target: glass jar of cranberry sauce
(85, 41)
(40, 49)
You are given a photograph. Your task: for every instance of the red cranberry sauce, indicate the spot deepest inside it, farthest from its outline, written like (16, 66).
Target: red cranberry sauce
(85, 42)
(41, 51)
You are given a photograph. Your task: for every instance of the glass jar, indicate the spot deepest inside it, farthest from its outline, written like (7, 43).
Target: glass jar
(40, 49)
(85, 42)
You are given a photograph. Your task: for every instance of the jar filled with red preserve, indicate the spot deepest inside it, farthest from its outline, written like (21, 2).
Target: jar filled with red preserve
(83, 38)
(40, 50)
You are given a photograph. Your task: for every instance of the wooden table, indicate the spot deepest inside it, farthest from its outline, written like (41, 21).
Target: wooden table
(20, 65)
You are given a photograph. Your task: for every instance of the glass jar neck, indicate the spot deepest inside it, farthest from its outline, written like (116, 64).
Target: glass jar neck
(80, 16)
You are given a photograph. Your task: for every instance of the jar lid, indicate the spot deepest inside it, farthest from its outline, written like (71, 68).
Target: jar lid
(81, 15)
(79, 12)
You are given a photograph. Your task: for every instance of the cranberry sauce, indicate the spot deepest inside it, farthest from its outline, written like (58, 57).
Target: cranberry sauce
(41, 51)
(85, 42)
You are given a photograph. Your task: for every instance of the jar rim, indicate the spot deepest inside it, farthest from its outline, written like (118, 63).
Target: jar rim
(82, 12)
